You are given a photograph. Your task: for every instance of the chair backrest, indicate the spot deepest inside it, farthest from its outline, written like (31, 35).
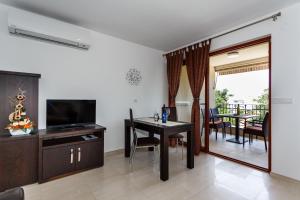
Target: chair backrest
(212, 114)
(203, 114)
(133, 127)
(266, 124)
(214, 111)
(172, 113)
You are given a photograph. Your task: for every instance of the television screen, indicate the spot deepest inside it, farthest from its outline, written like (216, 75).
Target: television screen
(70, 112)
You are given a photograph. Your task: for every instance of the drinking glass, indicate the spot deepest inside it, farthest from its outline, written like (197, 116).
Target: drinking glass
(156, 117)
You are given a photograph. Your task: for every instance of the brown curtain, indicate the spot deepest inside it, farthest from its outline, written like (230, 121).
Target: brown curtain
(174, 65)
(197, 62)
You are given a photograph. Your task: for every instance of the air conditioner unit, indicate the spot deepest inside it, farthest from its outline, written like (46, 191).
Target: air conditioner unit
(42, 28)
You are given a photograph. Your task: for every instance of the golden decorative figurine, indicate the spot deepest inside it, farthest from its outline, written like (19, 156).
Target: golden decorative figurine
(20, 123)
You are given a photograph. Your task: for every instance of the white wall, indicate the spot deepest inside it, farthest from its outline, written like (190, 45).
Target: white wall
(99, 74)
(285, 84)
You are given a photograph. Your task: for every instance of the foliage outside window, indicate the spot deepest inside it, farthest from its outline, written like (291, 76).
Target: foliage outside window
(259, 108)
(263, 99)
(222, 97)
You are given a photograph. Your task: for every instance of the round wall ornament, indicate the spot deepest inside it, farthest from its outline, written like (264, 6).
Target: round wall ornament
(134, 76)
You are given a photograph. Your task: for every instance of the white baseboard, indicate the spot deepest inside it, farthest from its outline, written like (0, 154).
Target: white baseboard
(114, 152)
(275, 175)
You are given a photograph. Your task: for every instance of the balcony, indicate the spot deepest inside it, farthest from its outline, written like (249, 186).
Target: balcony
(250, 109)
(254, 153)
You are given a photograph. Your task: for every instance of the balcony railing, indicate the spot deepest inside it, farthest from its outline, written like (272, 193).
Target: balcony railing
(251, 109)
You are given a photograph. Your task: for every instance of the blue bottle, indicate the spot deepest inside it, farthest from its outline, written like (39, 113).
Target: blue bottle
(164, 114)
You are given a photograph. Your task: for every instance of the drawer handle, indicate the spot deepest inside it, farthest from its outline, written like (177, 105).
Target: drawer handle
(79, 154)
(72, 156)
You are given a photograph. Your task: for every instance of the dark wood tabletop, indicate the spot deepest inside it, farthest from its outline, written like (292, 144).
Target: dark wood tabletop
(50, 133)
(6, 136)
(56, 133)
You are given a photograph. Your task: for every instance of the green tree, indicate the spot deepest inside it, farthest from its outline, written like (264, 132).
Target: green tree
(263, 99)
(222, 97)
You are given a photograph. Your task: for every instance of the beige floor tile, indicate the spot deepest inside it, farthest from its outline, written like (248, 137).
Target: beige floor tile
(212, 178)
(254, 153)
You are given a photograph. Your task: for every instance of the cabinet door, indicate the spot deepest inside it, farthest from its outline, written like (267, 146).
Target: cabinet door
(18, 162)
(58, 161)
(89, 155)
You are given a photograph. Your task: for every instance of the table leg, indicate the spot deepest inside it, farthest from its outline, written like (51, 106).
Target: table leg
(127, 140)
(236, 139)
(237, 129)
(164, 156)
(151, 134)
(190, 150)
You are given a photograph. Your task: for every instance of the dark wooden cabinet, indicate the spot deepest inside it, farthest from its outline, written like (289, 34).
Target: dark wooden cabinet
(88, 155)
(48, 154)
(18, 161)
(18, 155)
(64, 152)
(58, 160)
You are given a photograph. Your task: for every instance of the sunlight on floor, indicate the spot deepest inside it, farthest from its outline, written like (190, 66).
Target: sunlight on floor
(254, 153)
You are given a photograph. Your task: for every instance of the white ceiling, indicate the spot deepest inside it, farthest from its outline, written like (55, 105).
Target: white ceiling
(253, 52)
(160, 24)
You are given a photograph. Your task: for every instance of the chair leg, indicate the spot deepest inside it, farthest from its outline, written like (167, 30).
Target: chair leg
(243, 139)
(182, 146)
(265, 144)
(154, 152)
(230, 130)
(157, 153)
(132, 157)
(216, 133)
(131, 154)
(250, 138)
(177, 145)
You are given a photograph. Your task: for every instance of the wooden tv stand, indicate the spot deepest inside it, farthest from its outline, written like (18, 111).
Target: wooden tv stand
(64, 151)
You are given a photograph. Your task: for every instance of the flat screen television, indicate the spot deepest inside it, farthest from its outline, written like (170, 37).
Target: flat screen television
(70, 113)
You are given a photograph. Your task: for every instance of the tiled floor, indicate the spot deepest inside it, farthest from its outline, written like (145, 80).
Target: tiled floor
(212, 178)
(254, 153)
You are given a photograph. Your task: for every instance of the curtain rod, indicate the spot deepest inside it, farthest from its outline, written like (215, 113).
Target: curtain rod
(274, 17)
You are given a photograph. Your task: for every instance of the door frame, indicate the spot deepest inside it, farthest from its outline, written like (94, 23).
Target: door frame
(253, 42)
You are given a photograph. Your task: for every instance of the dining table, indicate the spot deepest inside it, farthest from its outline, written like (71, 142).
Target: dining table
(237, 118)
(164, 130)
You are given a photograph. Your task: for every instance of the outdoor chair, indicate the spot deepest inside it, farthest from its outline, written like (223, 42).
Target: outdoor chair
(226, 124)
(258, 130)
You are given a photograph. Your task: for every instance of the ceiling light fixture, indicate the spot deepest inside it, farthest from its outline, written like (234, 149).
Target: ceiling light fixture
(233, 54)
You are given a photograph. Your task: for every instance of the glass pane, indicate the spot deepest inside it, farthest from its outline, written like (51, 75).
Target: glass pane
(202, 122)
(239, 97)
